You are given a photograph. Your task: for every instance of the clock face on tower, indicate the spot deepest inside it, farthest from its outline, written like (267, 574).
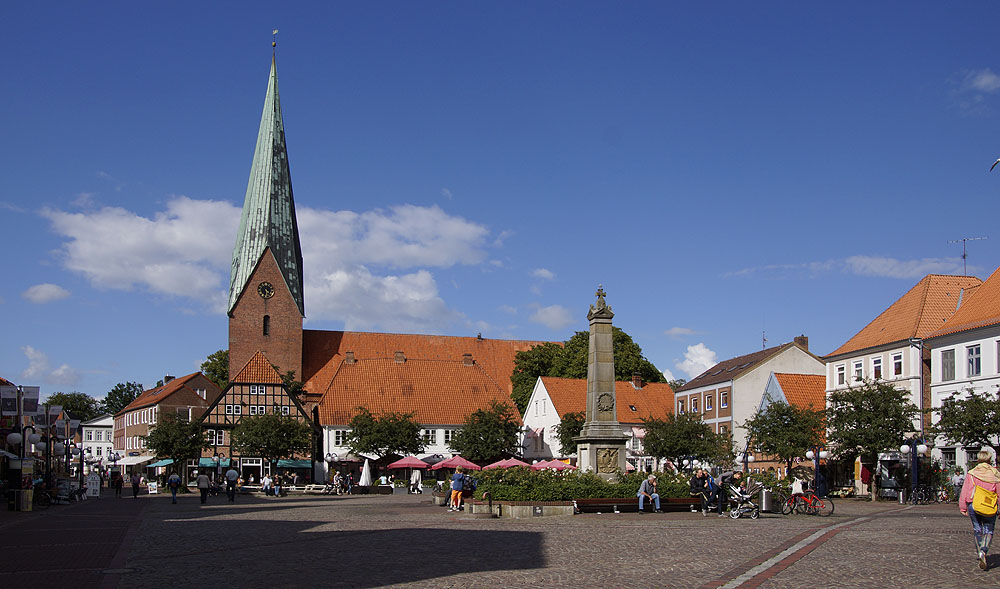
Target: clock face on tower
(265, 290)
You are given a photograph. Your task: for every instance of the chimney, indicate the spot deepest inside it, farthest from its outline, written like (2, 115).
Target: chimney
(349, 358)
(467, 360)
(636, 380)
(167, 379)
(400, 358)
(803, 342)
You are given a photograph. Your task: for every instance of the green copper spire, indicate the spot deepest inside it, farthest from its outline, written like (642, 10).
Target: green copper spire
(268, 219)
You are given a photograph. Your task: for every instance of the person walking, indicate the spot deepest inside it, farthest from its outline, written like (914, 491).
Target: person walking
(265, 485)
(232, 476)
(136, 481)
(203, 484)
(117, 481)
(457, 484)
(415, 479)
(174, 482)
(979, 501)
(647, 490)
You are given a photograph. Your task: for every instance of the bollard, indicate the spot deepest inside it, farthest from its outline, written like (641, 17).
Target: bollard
(902, 496)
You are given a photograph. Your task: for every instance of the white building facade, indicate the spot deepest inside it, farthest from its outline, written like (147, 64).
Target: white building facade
(97, 443)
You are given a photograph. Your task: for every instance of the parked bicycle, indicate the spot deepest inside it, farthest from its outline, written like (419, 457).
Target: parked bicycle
(40, 499)
(808, 503)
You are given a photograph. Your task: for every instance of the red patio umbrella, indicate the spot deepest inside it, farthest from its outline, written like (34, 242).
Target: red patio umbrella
(409, 462)
(553, 464)
(505, 463)
(455, 462)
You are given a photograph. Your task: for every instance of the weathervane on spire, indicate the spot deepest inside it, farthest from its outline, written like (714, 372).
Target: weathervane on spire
(274, 39)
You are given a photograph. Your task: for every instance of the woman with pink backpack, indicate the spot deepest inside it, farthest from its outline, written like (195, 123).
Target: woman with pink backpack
(979, 501)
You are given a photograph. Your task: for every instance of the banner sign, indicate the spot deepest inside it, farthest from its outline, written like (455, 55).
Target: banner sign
(29, 400)
(8, 400)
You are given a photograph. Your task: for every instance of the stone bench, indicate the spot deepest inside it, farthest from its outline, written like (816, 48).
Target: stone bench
(631, 504)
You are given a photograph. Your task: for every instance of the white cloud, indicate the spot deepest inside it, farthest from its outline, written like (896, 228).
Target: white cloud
(543, 273)
(982, 81)
(678, 332)
(498, 242)
(508, 309)
(186, 251)
(876, 266)
(668, 375)
(45, 293)
(446, 193)
(697, 359)
(553, 317)
(39, 369)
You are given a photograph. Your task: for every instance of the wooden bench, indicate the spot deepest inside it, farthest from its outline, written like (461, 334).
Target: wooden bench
(631, 504)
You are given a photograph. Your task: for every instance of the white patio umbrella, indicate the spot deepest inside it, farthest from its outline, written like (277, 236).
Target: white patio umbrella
(366, 474)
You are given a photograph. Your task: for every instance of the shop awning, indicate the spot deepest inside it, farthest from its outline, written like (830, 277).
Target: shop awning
(159, 463)
(210, 462)
(130, 460)
(295, 464)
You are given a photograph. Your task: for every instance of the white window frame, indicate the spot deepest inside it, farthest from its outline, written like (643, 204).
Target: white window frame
(694, 404)
(877, 368)
(89, 436)
(429, 436)
(229, 410)
(974, 360)
(285, 410)
(680, 406)
(723, 399)
(708, 402)
(857, 370)
(841, 378)
(449, 435)
(897, 364)
(339, 435)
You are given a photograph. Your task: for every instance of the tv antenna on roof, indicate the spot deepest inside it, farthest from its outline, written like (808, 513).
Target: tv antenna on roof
(965, 269)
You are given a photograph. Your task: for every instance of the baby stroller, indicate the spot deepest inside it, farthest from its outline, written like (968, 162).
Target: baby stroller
(741, 501)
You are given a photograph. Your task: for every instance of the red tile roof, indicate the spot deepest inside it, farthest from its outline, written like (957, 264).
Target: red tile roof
(323, 352)
(258, 370)
(438, 392)
(918, 313)
(652, 400)
(6, 383)
(803, 390)
(154, 396)
(732, 368)
(980, 308)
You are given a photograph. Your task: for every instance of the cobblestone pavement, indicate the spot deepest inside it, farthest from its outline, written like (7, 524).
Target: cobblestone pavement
(402, 540)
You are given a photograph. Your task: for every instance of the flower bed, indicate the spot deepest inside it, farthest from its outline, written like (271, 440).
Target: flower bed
(524, 484)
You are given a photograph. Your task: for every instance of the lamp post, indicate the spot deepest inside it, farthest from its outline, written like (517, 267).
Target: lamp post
(913, 448)
(748, 457)
(22, 440)
(916, 342)
(331, 459)
(819, 482)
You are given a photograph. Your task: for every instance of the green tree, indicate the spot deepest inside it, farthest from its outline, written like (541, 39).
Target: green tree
(570, 427)
(570, 361)
(676, 383)
(178, 439)
(383, 435)
(973, 421)
(294, 387)
(867, 420)
(82, 405)
(676, 437)
(785, 431)
(119, 397)
(216, 368)
(272, 437)
(489, 434)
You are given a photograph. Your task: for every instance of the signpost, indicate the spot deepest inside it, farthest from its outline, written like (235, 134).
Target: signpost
(94, 485)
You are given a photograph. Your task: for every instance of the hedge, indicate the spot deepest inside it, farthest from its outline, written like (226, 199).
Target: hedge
(523, 484)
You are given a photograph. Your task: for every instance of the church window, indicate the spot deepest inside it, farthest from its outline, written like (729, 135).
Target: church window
(267, 325)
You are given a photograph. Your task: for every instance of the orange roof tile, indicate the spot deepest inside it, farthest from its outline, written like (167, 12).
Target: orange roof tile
(154, 396)
(803, 390)
(980, 308)
(918, 313)
(258, 370)
(437, 391)
(323, 351)
(654, 399)
(6, 383)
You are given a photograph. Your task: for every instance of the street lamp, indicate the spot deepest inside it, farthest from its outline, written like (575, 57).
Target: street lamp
(819, 482)
(916, 342)
(914, 448)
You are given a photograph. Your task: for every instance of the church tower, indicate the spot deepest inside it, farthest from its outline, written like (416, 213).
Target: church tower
(266, 306)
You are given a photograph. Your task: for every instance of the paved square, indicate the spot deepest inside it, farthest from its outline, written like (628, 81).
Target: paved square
(402, 540)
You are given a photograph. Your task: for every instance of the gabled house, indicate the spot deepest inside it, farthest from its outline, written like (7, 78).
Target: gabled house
(807, 391)
(727, 394)
(257, 389)
(964, 355)
(186, 397)
(891, 348)
(97, 442)
(440, 393)
(553, 397)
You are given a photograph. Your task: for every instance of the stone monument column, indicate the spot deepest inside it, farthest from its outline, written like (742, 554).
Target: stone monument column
(601, 443)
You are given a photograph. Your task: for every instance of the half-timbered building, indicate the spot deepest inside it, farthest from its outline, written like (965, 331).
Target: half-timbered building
(255, 390)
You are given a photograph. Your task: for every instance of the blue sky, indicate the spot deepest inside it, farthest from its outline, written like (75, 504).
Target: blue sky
(722, 169)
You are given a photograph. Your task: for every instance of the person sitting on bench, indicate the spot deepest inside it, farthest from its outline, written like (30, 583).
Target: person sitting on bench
(648, 489)
(700, 489)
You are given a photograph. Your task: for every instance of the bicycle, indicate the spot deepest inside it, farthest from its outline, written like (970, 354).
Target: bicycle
(40, 499)
(808, 503)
